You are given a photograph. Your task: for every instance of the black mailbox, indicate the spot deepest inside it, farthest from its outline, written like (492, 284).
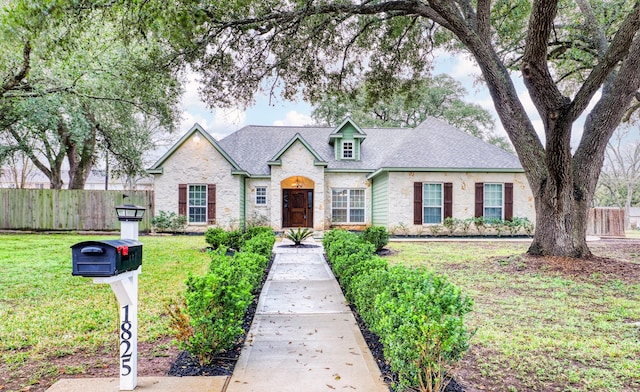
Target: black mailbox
(106, 258)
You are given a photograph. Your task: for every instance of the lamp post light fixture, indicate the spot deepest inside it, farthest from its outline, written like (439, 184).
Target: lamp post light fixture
(129, 217)
(129, 213)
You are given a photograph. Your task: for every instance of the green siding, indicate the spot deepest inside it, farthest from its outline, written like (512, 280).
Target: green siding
(380, 200)
(348, 133)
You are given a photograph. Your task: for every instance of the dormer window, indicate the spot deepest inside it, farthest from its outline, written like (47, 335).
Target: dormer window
(347, 150)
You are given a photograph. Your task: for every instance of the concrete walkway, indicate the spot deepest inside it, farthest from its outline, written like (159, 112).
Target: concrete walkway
(303, 336)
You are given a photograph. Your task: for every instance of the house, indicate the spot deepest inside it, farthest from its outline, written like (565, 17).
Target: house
(347, 176)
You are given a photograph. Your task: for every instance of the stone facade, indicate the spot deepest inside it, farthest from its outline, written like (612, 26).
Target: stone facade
(210, 167)
(401, 194)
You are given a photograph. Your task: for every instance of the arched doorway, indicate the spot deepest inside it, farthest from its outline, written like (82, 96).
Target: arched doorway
(297, 202)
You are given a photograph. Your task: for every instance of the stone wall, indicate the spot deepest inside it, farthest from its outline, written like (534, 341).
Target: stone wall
(199, 163)
(401, 194)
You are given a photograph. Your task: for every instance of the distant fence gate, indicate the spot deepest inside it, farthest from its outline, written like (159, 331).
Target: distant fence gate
(69, 210)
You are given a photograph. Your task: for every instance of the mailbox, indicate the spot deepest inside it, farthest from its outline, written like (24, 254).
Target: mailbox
(105, 258)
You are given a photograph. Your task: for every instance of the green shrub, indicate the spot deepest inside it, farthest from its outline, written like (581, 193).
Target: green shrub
(235, 239)
(465, 225)
(420, 320)
(376, 235)
(216, 306)
(251, 265)
(496, 224)
(480, 224)
(341, 242)
(261, 244)
(215, 237)
(451, 224)
(418, 316)
(210, 318)
(169, 221)
(253, 231)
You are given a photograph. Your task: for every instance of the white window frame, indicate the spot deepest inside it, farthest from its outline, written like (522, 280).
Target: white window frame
(425, 205)
(352, 149)
(190, 206)
(259, 195)
(486, 205)
(348, 207)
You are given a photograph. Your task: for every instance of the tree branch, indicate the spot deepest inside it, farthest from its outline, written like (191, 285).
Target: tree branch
(14, 80)
(537, 78)
(483, 17)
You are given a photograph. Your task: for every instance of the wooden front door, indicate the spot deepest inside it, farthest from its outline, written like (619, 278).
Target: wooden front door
(297, 208)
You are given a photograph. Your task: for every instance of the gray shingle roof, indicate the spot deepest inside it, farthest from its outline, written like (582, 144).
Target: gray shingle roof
(433, 144)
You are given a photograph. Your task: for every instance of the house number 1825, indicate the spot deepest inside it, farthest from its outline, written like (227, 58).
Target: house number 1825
(125, 335)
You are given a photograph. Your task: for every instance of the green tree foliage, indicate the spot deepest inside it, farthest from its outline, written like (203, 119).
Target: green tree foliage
(75, 89)
(407, 104)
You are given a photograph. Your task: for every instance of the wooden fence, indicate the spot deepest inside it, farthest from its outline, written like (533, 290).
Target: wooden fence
(68, 210)
(606, 221)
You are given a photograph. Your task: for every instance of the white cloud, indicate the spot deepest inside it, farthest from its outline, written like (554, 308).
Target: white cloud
(294, 118)
(465, 68)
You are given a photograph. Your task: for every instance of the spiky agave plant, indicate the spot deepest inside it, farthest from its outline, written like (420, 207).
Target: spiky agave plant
(299, 235)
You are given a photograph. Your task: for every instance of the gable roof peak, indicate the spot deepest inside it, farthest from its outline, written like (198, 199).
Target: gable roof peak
(337, 132)
(277, 159)
(157, 167)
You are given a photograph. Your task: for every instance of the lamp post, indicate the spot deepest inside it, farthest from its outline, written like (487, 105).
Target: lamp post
(125, 287)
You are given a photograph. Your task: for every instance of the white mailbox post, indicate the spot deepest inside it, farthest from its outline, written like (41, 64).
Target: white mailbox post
(125, 287)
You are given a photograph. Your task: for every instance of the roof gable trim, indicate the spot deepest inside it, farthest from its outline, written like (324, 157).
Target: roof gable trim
(157, 167)
(444, 169)
(277, 159)
(337, 132)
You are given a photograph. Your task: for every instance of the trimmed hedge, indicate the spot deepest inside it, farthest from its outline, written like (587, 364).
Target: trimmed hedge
(376, 235)
(209, 319)
(418, 316)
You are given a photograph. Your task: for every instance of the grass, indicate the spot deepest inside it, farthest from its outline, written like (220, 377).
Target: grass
(538, 330)
(45, 312)
(635, 233)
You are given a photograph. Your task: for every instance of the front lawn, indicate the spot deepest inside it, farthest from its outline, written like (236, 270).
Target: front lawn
(542, 325)
(47, 314)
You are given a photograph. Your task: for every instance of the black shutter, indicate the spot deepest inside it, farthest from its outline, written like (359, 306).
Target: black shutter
(211, 204)
(182, 199)
(448, 200)
(479, 199)
(417, 203)
(508, 201)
